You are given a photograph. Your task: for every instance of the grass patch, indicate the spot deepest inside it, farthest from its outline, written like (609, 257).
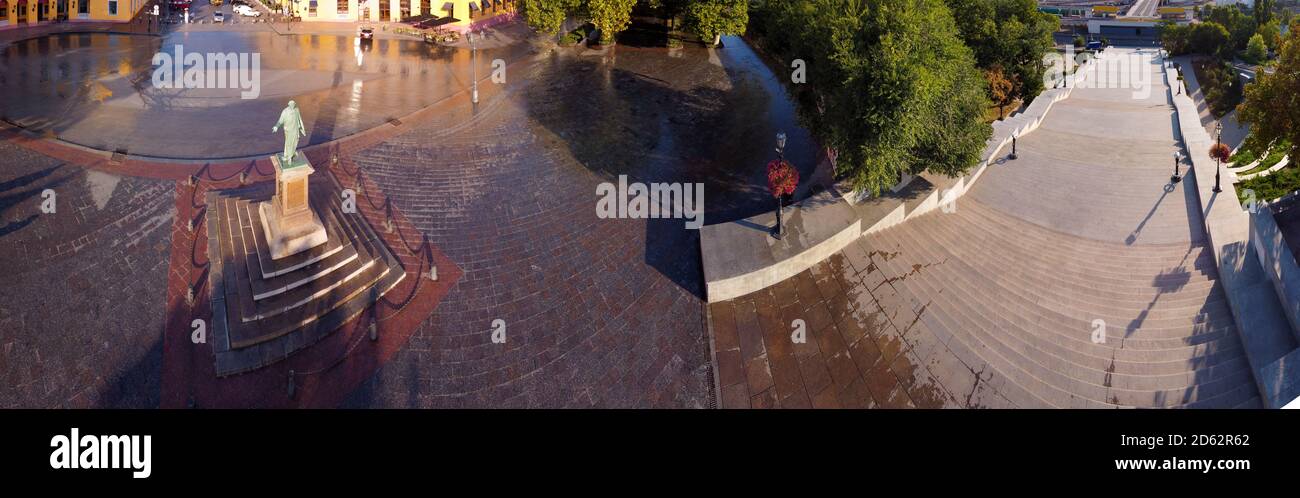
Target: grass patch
(1275, 156)
(1267, 188)
(1242, 158)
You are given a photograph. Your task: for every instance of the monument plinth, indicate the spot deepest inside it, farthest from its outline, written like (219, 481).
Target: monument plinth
(290, 224)
(312, 266)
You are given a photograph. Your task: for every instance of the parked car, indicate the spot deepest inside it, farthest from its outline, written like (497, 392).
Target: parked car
(246, 11)
(218, 17)
(366, 33)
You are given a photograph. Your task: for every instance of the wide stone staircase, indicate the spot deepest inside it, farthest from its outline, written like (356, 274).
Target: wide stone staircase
(1029, 301)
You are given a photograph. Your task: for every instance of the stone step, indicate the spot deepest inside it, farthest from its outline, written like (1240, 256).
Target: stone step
(1172, 312)
(268, 267)
(265, 287)
(1099, 357)
(297, 317)
(968, 321)
(1033, 235)
(1062, 389)
(1174, 359)
(1010, 295)
(255, 310)
(1070, 251)
(1031, 295)
(1123, 375)
(1017, 307)
(1002, 261)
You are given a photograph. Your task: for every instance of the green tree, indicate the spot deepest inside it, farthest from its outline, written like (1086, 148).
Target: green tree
(611, 17)
(1210, 38)
(1263, 11)
(1256, 50)
(1270, 106)
(1012, 34)
(1174, 37)
(1239, 25)
(547, 16)
(890, 85)
(1272, 33)
(710, 19)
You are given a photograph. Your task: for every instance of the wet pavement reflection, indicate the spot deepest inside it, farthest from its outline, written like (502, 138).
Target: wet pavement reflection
(866, 346)
(689, 114)
(98, 89)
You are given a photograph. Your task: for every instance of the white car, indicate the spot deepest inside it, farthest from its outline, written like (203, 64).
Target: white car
(246, 11)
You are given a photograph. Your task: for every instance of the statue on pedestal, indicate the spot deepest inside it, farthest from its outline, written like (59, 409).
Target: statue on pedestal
(291, 121)
(288, 220)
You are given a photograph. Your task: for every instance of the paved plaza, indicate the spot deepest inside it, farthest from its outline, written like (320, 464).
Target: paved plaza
(596, 312)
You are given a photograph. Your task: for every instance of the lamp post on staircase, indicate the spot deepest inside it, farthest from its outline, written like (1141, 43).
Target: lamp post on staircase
(1220, 153)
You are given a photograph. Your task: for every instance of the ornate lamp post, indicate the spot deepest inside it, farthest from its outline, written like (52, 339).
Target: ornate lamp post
(1013, 148)
(1178, 156)
(1219, 154)
(781, 180)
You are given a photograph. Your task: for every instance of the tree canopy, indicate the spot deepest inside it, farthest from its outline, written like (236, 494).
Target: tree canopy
(547, 16)
(710, 19)
(611, 17)
(1239, 25)
(1011, 34)
(1256, 50)
(1270, 105)
(1209, 38)
(890, 85)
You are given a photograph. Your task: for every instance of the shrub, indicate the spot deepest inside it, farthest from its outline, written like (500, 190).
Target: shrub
(1267, 188)
(1256, 50)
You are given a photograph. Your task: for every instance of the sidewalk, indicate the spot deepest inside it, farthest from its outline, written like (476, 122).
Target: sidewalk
(1234, 132)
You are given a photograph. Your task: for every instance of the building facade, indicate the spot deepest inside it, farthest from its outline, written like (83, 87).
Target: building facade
(466, 13)
(15, 13)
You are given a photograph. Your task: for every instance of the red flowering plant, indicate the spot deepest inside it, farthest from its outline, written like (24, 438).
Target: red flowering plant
(1220, 152)
(782, 178)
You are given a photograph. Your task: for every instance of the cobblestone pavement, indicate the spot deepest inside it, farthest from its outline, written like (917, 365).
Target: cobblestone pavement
(597, 312)
(1075, 276)
(82, 300)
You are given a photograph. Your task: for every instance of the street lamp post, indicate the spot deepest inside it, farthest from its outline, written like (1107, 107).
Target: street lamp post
(1218, 141)
(1178, 158)
(1013, 148)
(473, 52)
(780, 154)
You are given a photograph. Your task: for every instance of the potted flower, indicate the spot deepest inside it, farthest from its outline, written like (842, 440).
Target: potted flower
(782, 179)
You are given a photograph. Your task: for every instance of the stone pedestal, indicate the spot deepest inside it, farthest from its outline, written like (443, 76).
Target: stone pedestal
(288, 220)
